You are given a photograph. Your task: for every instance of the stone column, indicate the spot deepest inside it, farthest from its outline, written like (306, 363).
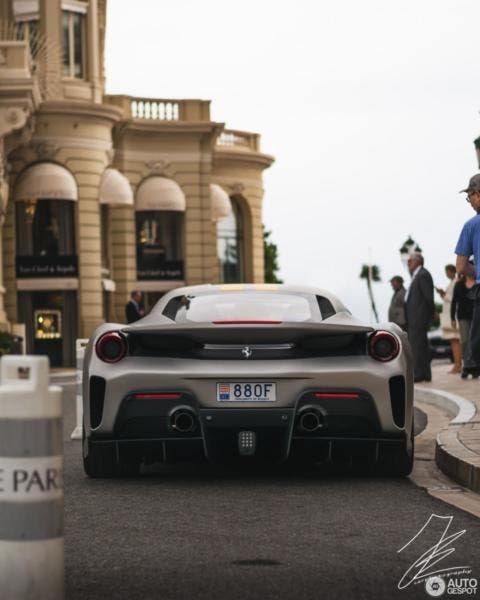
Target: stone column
(87, 172)
(93, 51)
(123, 257)
(50, 69)
(12, 118)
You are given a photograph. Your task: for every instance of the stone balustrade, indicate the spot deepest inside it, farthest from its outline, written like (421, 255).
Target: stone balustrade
(159, 109)
(239, 140)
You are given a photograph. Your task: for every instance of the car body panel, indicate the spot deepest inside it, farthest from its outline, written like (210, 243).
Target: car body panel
(296, 379)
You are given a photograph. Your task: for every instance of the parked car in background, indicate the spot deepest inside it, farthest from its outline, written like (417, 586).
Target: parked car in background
(439, 348)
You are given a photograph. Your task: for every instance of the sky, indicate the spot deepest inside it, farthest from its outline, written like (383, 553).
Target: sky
(369, 108)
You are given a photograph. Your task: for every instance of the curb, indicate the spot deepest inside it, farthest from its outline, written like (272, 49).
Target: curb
(452, 457)
(62, 374)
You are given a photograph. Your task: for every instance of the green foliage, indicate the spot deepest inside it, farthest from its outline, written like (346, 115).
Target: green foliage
(409, 244)
(8, 343)
(271, 258)
(371, 272)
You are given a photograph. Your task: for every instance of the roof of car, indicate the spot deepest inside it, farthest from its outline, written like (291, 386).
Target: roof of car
(254, 287)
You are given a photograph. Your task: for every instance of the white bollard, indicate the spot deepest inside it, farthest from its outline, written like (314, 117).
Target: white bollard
(80, 347)
(31, 483)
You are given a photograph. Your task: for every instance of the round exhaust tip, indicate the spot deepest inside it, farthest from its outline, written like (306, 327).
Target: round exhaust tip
(183, 420)
(310, 421)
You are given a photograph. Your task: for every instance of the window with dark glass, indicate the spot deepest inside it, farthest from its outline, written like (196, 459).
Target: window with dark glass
(28, 31)
(104, 240)
(45, 228)
(230, 246)
(159, 242)
(73, 26)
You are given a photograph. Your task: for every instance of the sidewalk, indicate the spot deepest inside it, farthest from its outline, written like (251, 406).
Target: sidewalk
(458, 444)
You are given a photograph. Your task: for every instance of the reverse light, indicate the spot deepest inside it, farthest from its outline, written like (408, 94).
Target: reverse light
(383, 346)
(111, 347)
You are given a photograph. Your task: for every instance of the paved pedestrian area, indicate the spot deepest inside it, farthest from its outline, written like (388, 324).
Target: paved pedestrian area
(458, 445)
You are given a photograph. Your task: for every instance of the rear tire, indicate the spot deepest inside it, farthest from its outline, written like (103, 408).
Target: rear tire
(102, 462)
(399, 462)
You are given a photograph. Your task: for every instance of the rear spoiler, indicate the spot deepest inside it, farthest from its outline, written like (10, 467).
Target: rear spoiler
(248, 334)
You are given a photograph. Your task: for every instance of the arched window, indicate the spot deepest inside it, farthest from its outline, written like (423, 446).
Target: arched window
(160, 205)
(45, 196)
(230, 245)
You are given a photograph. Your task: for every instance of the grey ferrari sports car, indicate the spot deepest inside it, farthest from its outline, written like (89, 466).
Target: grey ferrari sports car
(247, 373)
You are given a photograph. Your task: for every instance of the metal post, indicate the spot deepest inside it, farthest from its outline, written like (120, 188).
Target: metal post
(31, 484)
(80, 347)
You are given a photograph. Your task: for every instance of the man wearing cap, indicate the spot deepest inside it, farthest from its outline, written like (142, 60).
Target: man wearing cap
(468, 244)
(396, 311)
(419, 309)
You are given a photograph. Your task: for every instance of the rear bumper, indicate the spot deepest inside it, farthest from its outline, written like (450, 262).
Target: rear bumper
(199, 380)
(349, 427)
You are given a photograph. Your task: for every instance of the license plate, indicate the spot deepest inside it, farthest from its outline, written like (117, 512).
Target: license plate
(246, 392)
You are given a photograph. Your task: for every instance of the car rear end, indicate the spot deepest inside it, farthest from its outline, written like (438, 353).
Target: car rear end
(240, 389)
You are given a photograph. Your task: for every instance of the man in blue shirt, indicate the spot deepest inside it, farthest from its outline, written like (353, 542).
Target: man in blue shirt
(468, 244)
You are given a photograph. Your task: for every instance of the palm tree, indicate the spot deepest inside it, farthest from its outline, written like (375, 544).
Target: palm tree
(371, 273)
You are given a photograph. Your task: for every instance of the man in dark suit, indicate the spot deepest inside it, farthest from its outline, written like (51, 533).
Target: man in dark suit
(133, 309)
(419, 310)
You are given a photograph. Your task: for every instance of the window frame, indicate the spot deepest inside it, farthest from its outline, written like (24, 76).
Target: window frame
(239, 241)
(68, 70)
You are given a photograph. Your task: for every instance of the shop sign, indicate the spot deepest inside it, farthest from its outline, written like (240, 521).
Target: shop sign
(47, 266)
(168, 270)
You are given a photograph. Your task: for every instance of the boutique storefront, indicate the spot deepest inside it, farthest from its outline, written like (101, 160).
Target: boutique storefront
(45, 197)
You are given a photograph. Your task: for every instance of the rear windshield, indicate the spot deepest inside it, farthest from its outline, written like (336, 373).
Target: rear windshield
(230, 306)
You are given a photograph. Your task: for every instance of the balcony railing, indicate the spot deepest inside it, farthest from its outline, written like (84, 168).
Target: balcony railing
(239, 140)
(158, 109)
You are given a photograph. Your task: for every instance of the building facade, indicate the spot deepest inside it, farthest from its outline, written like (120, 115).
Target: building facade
(101, 195)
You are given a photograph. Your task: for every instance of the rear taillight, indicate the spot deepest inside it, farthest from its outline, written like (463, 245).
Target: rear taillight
(247, 322)
(111, 347)
(383, 346)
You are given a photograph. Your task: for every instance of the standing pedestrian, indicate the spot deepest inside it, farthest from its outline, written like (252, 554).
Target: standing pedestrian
(468, 244)
(396, 310)
(461, 312)
(448, 332)
(133, 308)
(419, 310)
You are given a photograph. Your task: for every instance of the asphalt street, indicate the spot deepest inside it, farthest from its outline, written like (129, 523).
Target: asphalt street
(198, 532)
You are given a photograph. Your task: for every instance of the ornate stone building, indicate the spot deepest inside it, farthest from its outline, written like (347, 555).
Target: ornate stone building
(100, 195)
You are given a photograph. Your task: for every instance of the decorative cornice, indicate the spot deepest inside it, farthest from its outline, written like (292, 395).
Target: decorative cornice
(87, 110)
(62, 141)
(45, 150)
(236, 188)
(241, 157)
(157, 167)
(156, 126)
(12, 118)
